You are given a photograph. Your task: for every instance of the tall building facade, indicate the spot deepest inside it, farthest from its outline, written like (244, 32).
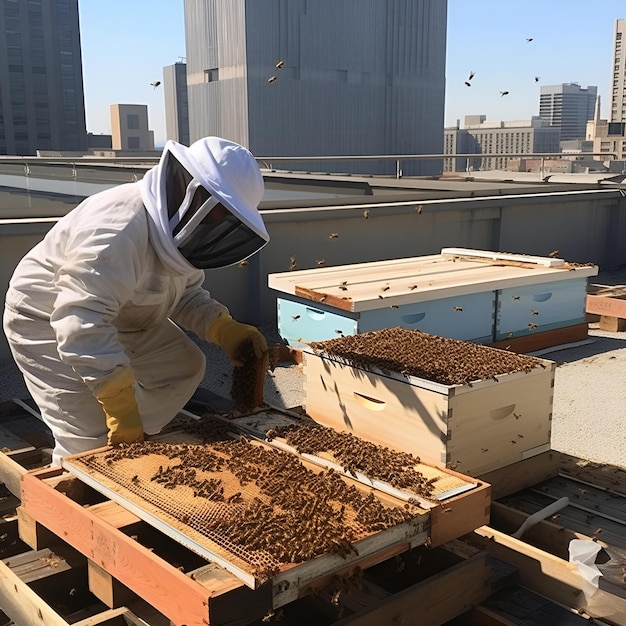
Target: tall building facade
(42, 103)
(618, 79)
(129, 127)
(479, 136)
(330, 77)
(568, 106)
(176, 102)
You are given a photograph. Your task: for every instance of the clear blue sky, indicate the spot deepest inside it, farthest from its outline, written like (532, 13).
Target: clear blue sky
(126, 44)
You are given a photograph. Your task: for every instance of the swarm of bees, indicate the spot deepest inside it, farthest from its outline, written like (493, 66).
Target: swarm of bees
(414, 353)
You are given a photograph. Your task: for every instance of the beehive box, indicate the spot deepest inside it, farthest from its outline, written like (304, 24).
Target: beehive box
(454, 403)
(473, 295)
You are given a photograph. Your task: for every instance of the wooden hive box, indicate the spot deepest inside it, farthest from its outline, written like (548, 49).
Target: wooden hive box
(475, 426)
(473, 295)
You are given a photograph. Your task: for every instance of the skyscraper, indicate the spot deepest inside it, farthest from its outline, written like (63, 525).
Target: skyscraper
(42, 103)
(568, 106)
(329, 77)
(618, 81)
(176, 102)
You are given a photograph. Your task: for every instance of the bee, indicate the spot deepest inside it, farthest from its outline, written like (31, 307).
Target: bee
(344, 285)
(516, 416)
(333, 235)
(135, 479)
(292, 263)
(73, 592)
(516, 297)
(280, 65)
(380, 295)
(295, 318)
(534, 312)
(419, 208)
(513, 441)
(394, 306)
(339, 332)
(244, 263)
(532, 326)
(385, 288)
(412, 287)
(553, 253)
(320, 261)
(458, 308)
(484, 450)
(366, 214)
(271, 79)
(322, 298)
(520, 436)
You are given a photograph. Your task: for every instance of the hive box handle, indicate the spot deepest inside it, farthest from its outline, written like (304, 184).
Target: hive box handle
(369, 403)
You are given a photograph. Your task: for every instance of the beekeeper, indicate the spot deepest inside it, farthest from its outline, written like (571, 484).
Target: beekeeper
(94, 313)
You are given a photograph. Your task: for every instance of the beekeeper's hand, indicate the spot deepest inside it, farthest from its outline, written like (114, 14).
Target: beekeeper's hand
(230, 335)
(117, 397)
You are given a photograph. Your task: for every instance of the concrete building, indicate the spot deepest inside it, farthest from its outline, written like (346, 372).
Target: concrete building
(618, 78)
(609, 137)
(176, 102)
(567, 106)
(129, 127)
(330, 77)
(482, 137)
(42, 103)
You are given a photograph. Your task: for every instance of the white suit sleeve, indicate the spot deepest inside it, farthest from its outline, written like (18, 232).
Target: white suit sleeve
(97, 278)
(197, 309)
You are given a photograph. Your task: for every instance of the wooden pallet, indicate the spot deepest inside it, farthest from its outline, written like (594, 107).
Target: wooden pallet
(597, 512)
(126, 561)
(610, 304)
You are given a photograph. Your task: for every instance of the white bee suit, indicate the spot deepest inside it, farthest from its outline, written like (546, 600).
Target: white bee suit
(107, 290)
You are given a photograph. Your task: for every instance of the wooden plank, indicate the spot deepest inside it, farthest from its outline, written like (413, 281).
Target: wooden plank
(526, 473)
(602, 475)
(11, 474)
(169, 590)
(106, 588)
(612, 324)
(606, 304)
(549, 575)
(544, 339)
(430, 602)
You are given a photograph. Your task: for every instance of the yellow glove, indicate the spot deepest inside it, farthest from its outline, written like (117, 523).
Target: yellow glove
(117, 398)
(229, 335)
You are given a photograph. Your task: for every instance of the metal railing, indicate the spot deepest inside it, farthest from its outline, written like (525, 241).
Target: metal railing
(268, 162)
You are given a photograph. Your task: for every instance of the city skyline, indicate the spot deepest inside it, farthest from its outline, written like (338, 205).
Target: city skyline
(570, 42)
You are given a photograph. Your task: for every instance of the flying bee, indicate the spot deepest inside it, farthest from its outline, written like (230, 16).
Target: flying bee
(271, 79)
(295, 318)
(419, 208)
(339, 332)
(366, 214)
(458, 308)
(385, 288)
(343, 285)
(553, 253)
(534, 312)
(292, 263)
(333, 235)
(516, 297)
(394, 306)
(280, 65)
(412, 287)
(532, 326)
(380, 295)
(243, 263)
(484, 450)
(320, 261)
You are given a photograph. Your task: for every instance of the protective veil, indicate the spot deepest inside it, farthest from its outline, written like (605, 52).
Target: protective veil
(110, 286)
